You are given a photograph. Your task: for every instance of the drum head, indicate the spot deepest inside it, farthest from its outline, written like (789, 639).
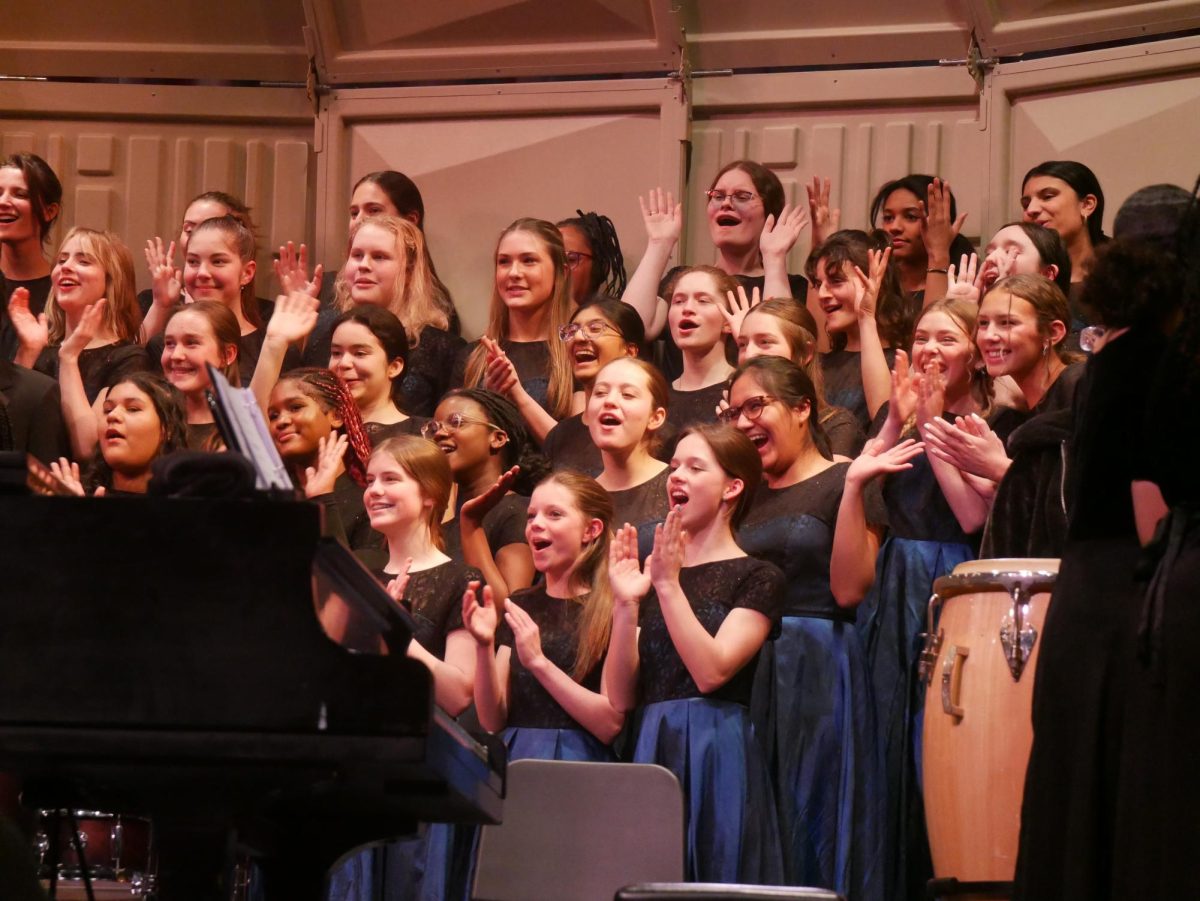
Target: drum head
(1009, 565)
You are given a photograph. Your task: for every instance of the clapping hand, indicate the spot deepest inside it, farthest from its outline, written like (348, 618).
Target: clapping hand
(670, 542)
(320, 479)
(628, 579)
(526, 636)
(479, 613)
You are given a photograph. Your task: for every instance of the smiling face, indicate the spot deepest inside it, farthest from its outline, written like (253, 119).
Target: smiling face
(621, 412)
(524, 271)
(77, 276)
(697, 483)
(473, 444)
(356, 355)
(556, 529)
(369, 199)
(590, 353)
(940, 342)
(196, 213)
(900, 217)
(298, 422)
(188, 344)
(780, 432)
(1008, 336)
(1052, 203)
(761, 335)
(130, 431)
(732, 224)
(1012, 242)
(212, 269)
(393, 499)
(373, 266)
(838, 296)
(17, 222)
(695, 317)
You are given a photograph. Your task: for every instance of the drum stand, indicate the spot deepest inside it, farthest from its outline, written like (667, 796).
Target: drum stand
(73, 823)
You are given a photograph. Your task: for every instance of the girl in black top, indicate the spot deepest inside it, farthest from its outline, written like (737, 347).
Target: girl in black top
(198, 334)
(593, 256)
(483, 437)
(31, 199)
(685, 656)
(698, 320)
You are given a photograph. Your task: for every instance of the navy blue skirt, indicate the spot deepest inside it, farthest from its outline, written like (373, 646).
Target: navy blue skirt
(890, 621)
(711, 748)
(814, 711)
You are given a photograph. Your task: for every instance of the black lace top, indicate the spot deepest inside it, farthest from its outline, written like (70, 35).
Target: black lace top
(434, 598)
(569, 446)
(685, 408)
(643, 503)
(842, 370)
(101, 367)
(557, 619)
(712, 590)
(793, 528)
(379, 433)
(532, 362)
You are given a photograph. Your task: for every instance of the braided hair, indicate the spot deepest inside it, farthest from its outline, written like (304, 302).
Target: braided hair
(521, 449)
(331, 393)
(608, 265)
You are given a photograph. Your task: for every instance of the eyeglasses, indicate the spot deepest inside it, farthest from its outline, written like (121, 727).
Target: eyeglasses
(737, 198)
(595, 329)
(452, 423)
(1089, 336)
(575, 257)
(752, 407)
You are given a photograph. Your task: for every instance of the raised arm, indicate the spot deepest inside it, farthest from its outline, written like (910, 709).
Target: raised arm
(80, 416)
(938, 231)
(166, 287)
(776, 241)
(590, 709)
(967, 505)
(876, 378)
(826, 219)
(629, 585)
(855, 542)
(293, 319)
(491, 666)
(475, 548)
(711, 660)
(663, 218)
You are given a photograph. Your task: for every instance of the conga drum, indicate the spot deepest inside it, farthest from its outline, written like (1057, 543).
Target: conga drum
(979, 660)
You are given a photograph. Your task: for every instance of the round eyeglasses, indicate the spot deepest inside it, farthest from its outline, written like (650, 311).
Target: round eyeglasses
(751, 407)
(737, 198)
(452, 423)
(596, 328)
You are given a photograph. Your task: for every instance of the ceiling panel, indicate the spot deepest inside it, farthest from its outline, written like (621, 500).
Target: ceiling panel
(217, 40)
(366, 41)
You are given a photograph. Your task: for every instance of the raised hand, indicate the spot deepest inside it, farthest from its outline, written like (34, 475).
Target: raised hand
(68, 473)
(501, 376)
(294, 317)
(85, 332)
(937, 229)
(662, 216)
(877, 460)
(526, 635)
(965, 281)
(320, 479)
(291, 270)
(474, 510)
(166, 280)
(866, 296)
(739, 306)
(629, 582)
(32, 331)
(397, 586)
(723, 403)
(931, 395)
(905, 390)
(670, 542)
(479, 613)
(780, 235)
(825, 219)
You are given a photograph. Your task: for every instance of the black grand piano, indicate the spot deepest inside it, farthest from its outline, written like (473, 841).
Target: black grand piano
(166, 657)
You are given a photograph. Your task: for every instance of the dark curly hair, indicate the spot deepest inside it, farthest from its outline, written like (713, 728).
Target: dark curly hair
(331, 393)
(388, 331)
(520, 449)
(45, 190)
(789, 383)
(608, 265)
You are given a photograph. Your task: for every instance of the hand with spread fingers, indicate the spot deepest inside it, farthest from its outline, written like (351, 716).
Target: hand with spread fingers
(779, 235)
(868, 285)
(877, 460)
(479, 614)
(739, 307)
(166, 282)
(670, 541)
(320, 479)
(662, 216)
(630, 582)
(825, 219)
(291, 270)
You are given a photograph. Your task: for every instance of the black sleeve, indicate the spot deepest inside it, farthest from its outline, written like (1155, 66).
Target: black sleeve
(505, 525)
(762, 590)
(47, 431)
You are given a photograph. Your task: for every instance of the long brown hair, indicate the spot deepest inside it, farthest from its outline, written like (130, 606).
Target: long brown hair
(595, 625)
(965, 314)
(799, 329)
(425, 462)
(842, 251)
(1049, 304)
(225, 329)
(737, 456)
(242, 241)
(413, 299)
(656, 384)
(561, 381)
(121, 316)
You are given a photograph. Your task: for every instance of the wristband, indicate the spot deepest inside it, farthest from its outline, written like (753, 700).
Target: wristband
(942, 271)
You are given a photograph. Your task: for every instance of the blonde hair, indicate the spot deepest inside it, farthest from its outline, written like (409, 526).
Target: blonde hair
(595, 624)
(414, 295)
(965, 314)
(425, 462)
(561, 380)
(122, 316)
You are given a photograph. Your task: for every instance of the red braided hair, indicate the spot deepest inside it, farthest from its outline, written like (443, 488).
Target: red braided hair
(331, 393)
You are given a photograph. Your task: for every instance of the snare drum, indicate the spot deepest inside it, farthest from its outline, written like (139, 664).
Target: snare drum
(979, 663)
(118, 851)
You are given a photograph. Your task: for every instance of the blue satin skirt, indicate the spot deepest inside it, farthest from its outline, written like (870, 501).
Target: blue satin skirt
(711, 748)
(890, 621)
(813, 708)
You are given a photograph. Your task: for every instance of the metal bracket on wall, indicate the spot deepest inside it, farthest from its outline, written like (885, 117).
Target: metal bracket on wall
(978, 65)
